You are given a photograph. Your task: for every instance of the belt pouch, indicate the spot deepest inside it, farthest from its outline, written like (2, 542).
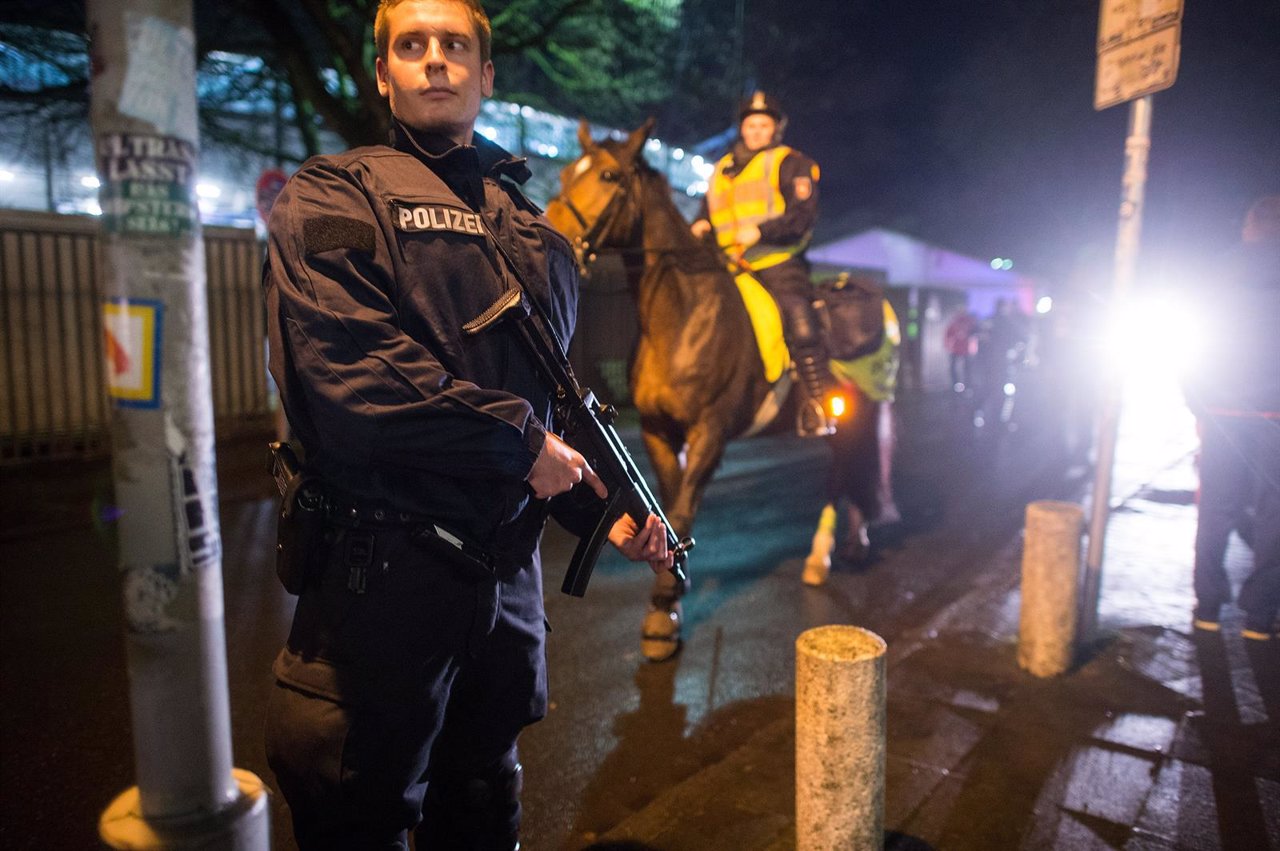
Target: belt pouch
(300, 534)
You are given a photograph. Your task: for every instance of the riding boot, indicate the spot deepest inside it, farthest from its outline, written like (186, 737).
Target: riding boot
(812, 417)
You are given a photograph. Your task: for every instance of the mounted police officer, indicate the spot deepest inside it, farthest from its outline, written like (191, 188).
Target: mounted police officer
(762, 205)
(416, 654)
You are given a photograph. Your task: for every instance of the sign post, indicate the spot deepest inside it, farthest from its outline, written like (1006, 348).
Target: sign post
(156, 337)
(1138, 48)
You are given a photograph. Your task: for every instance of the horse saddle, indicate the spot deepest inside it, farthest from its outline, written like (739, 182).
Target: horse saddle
(850, 315)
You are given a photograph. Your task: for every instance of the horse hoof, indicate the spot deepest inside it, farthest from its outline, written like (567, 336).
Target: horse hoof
(660, 635)
(816, 571)
(857, 549)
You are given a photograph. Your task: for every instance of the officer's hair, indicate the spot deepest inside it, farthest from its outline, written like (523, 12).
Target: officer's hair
(382, 28)
(1263, 219)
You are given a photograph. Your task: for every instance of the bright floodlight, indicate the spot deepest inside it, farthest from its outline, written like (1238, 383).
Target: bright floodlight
(208, 190)
(90, 181)
(1006, 264)
(1044, 305)
(6, 176)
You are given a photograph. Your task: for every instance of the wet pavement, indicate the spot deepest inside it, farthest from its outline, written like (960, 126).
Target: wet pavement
(1157, 739)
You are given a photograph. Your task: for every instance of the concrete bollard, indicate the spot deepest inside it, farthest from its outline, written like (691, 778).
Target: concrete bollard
(1050, 587)
(840, 739)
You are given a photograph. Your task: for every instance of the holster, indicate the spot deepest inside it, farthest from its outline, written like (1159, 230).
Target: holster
(300, 533)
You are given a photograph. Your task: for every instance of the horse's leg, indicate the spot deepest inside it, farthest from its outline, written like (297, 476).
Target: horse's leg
(660, 634)
(855, 475)
(817, 565)
(887, 439)
(664, 454)
(857, 546)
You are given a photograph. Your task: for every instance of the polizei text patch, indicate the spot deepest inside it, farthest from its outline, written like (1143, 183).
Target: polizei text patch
(437, 217)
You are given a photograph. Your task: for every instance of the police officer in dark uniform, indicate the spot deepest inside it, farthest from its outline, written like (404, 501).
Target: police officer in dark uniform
(762, 204)
(416, 654)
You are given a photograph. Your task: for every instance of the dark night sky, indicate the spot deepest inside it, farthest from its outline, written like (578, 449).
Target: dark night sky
(971, 124)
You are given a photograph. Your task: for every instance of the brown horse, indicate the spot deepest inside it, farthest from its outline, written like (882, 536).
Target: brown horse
(697, 379)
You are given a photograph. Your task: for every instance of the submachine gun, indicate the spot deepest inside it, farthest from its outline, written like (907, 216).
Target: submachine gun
(588, 428)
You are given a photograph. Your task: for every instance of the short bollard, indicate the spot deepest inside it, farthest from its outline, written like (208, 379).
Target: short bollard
(840, 706)
(1050, 587)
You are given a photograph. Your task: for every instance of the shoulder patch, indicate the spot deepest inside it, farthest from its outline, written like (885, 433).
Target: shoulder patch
(325, 233)
(439, 217)
(803, 188)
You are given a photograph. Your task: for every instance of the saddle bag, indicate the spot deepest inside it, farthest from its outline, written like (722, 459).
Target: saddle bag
(851, 313)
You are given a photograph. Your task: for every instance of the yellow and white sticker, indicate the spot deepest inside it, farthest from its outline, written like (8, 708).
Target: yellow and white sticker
(131, 332)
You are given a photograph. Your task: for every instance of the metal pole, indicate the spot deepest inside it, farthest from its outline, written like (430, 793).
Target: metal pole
(1136, 148)
(156, 334)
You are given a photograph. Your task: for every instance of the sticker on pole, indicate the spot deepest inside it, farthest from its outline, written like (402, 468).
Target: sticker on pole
(131, 332)
(148, 184)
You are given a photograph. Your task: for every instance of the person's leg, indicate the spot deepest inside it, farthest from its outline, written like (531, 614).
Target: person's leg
(474, 783)
(1260, 596)
(1224, 475)
(790, 286)
(361, 692)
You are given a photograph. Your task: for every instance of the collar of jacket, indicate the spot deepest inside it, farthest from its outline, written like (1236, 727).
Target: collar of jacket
(441, 154)
(742, 156)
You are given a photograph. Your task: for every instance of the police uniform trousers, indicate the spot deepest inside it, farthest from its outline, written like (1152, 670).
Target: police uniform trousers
(400, 694)
(1239, 463)
(789, 284)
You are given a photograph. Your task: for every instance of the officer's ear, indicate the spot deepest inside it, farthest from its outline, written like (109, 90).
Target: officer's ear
(380, 70)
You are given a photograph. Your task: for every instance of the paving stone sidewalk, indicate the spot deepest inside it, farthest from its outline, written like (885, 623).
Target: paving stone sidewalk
(1159, 738)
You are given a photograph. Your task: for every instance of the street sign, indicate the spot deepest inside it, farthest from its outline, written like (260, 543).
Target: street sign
(1136, 68)
(1138, 49)
(1121, 21)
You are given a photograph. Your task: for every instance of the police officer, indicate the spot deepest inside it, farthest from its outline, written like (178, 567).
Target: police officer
(416, 654)
(1235, 393)
(762, 205)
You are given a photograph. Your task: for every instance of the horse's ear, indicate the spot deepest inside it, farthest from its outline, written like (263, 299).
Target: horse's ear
(584, 135)
(636, 140)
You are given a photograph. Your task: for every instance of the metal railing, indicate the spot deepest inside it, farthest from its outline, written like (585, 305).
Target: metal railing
(53, 397)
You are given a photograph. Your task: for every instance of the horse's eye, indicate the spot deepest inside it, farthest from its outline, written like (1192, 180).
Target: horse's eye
(609, 176)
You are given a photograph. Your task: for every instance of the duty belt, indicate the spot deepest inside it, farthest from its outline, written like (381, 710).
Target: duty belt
(426, 532)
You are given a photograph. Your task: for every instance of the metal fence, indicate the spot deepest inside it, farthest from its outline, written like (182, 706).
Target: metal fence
(53, 398)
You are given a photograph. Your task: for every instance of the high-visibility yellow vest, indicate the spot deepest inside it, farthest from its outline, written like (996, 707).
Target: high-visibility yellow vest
(750, 197)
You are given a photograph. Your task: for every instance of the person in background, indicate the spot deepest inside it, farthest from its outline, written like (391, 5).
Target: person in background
(961, 343)
(1235, 394)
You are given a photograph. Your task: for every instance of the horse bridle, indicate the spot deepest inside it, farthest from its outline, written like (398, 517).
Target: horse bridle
(584, 248)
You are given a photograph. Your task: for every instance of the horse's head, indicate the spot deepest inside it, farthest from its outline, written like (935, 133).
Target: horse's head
(598, 202)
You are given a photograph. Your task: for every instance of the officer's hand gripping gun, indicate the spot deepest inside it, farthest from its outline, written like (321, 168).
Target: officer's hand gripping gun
(588, 428)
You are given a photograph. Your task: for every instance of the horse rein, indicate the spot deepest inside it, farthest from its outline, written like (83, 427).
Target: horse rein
(584, 245)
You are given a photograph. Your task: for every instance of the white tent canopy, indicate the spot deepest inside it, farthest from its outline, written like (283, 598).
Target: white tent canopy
(909, 262)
